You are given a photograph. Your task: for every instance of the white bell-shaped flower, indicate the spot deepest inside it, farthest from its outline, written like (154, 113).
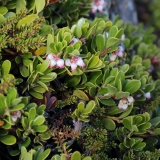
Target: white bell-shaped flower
(148, 95)
(60, 63)
(80, 62)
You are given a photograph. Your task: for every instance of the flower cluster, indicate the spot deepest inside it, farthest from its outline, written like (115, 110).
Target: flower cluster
(74, 62)
(125, 102)
(119, 53)
(15, 115)
(55, 60)
(98, 5)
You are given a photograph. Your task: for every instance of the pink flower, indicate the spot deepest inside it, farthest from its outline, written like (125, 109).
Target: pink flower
(123, 37)
(74, 62)
(98, 5)
(15, 115)
(130, 100)
(55, 61)
(80, 62)
(125, 102)
(73, 67)
(113, 57)
(74, 40)
(49, 56)
(67, 62)
(60, 63)
(52, 63)
(120, 51)
(148, 95)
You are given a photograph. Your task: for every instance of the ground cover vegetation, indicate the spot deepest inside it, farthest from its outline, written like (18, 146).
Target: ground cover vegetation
(76, 85)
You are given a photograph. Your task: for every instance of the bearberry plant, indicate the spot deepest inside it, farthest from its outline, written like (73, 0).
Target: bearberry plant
(74, 87)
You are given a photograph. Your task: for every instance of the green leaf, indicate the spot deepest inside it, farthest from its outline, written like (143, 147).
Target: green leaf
(41, 128)
(111, 89)
(72, 81)
(127, 112)
(87, 158)
(108, 124)
(132, 86)
(114, 110)
(121, 94)
(93, 62)
(139, 146)
(24, 71)
(155, 121)
(38, 121)
(80, 94)
(80, 106)
(100, 42)
(128, 122)
(32, 114)
(39, 89)
(6, 66)
(14, 152)
(18, 107)
(8, 139)
(2, 19)
(76, 156)
(50, 39)
(45, 30)
(20, 4)
(36, 95)
(45, 154)
(89, 107)
(40, 51)
(56, 157)
(120, 33)
(124, 68)
(40, 4)
(3, 10)
(112, 42)
(27, 20)
(113, 31)
(26, 143)
(108, 102)
(43, 85)
(43, 66)
(12, 94)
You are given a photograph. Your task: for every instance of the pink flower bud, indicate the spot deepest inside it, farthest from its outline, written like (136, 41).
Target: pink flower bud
(80, 62)
(60, 63)
(49, 56)
(52, 63)
(73, 66)
(113, 57)
(123, 37)
(123, 104)
(120, 51)
(15, 115)
(130, 100)
(100, 8)
(120, 54)
(67, 62)
(148, 95)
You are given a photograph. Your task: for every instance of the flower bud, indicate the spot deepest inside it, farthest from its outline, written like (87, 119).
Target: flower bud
(80, 62)
(52, 63)
(60, 63)
(67, 62)
(73, 66)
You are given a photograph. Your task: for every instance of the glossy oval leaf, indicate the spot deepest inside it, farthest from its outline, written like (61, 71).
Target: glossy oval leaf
(132, 86)
(8, 139)
(108, 124)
